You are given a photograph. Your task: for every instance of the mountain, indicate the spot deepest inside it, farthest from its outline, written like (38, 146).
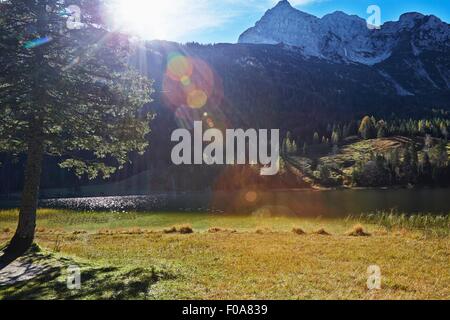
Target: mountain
(268, 85)
(347, 38)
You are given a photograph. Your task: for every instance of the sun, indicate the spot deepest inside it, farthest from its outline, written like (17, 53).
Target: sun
(149, 19)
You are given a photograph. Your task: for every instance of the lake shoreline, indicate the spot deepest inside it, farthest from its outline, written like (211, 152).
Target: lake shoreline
(16, 196)
(301, 202)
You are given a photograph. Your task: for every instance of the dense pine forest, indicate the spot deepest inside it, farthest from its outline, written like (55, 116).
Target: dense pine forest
(368, 152)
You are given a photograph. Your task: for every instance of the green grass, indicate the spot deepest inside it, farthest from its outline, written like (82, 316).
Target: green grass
(431, 224)
(127, 255)
(69, 221)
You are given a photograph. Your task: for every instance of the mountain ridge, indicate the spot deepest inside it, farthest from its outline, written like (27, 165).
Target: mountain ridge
(346, 38)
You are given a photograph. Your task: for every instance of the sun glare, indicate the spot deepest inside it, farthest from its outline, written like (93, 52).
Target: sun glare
(149, 19)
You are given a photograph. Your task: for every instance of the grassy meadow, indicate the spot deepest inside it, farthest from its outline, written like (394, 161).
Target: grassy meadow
(129, 255)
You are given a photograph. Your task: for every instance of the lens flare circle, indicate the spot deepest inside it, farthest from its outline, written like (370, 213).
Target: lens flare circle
(251, 196)
(190, 81)
(197, 99)
(179, 68)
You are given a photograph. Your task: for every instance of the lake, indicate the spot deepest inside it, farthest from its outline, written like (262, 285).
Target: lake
(291, 202)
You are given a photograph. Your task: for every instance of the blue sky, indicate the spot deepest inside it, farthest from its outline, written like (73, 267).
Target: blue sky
(213, 21)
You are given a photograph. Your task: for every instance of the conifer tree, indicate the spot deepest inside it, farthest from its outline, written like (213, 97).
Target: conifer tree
(367, 128)
(66, 90)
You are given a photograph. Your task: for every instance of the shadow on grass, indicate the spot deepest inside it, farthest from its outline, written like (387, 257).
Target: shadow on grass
(50, 274)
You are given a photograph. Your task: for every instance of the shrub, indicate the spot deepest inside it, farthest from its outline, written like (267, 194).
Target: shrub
(358, 231)
(263, 230)
(298, 231)
(133, 231)
(170, 230)
(217, 230)
(322, 232)
(79, 232)
(185, 229)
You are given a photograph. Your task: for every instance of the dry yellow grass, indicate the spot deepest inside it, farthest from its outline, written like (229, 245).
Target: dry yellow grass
(277, 265)
(272, 265)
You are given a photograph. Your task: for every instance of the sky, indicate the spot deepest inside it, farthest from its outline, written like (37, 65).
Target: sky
(216, 21)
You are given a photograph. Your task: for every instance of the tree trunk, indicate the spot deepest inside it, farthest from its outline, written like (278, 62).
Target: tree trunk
(24, 236)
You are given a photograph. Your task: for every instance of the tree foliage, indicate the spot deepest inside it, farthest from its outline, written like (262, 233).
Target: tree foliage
(367, 128)
(68, 87)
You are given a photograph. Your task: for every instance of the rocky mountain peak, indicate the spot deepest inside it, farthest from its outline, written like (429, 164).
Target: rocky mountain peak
(345, 38)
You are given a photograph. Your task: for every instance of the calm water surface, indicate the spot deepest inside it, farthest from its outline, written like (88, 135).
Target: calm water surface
(302, 203)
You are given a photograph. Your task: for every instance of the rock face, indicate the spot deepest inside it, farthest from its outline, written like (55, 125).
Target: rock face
(346, 38)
